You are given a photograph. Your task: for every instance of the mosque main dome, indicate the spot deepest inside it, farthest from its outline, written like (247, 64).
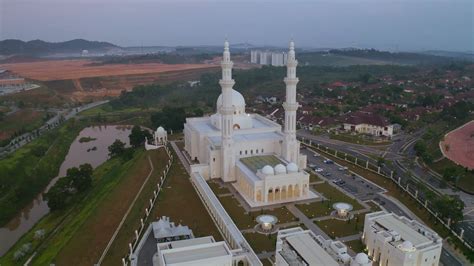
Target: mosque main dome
(238, 102)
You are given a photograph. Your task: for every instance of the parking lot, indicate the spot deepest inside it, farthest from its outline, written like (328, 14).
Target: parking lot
(351, 183)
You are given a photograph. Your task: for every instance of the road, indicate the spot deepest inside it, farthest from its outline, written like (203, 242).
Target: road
(61, 115)
(365, 190)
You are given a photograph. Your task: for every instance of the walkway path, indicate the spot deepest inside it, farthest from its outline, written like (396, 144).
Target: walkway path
(306, 221)
(350, 238)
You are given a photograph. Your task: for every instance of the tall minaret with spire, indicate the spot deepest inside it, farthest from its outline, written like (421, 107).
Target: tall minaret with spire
(290, 149)
(226, 111)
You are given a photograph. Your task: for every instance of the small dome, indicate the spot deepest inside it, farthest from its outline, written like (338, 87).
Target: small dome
(268, 170)
(237, 100)
(292, 167)
(160, 129)
(406, 245)
(362, 258)
(280, 169)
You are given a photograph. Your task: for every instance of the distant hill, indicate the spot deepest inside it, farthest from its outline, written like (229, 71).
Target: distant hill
(39, 47)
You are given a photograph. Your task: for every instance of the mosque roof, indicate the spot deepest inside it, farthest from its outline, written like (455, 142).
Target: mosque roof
(237, 100)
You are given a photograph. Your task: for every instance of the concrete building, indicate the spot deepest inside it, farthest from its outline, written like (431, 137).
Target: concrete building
(296, 246)
(197, 251)
(268, 58)
(254, 56)
(396, 240)
(368, 123)
(263, 162)
(265, 58)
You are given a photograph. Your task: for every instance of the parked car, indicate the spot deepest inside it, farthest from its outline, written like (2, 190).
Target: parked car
(318, 170)
(326, 174)
(343, 168)
(327, 161)
(316, 154)
(311, 165)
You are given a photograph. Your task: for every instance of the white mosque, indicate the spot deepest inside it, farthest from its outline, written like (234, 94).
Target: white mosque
(263, 162)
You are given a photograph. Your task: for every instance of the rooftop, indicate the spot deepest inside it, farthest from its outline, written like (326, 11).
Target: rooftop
(418, 234)
(303, 249)
(258, 162)
(195, 253)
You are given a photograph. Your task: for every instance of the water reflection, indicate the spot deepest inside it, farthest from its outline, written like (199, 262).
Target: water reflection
(79, 153)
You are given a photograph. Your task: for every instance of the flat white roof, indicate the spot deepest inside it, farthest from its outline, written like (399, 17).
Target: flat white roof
(405, 231)
(204, 125)
(310, 250)
(192, 242)
(200, 252)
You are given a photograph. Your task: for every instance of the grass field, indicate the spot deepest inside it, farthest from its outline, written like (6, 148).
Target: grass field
(356, 245)
(178, 192)
(261, 242)
(72, 242)
(247, 220)
(87, 244)
(258, 162)
(217, 189)
(324, 208)
(357, 139)
(337, 228)
(24, 120)
(466, 179)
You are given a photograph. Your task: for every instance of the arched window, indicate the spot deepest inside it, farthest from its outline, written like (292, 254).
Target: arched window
(245, 152)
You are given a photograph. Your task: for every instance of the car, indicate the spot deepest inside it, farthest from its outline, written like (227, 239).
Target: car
(311, 165)
(342, 168)
(318, 170)
(326, 174)
(316, 154)
(327, 161)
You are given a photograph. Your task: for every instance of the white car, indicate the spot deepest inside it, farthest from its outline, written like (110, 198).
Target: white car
(318, 170)
(316, 154)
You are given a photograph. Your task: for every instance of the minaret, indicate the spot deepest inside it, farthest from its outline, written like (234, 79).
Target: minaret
(290, 149)
(226, 111)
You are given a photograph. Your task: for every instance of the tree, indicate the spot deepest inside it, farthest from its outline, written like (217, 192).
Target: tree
(380, 161)
(170, 118)
(137, 137)
(117, 148)
(58, 195)
(81, 177)
(450, 207)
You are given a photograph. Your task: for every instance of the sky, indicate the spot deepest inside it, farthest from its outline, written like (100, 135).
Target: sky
(396, 25)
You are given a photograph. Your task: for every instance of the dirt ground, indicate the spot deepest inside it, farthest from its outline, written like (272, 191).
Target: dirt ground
(458, 145)
(82, 68)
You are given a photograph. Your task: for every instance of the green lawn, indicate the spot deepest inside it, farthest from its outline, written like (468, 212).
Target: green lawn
(246, 221)
(87, 244)
(337, 228)
(357, 139)
(261, 242)
(217, 189)
(334, 195)
(466, 179)
(22, 121)
(258, 162)
(356, 245)
(313, 178)
(324, 208)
